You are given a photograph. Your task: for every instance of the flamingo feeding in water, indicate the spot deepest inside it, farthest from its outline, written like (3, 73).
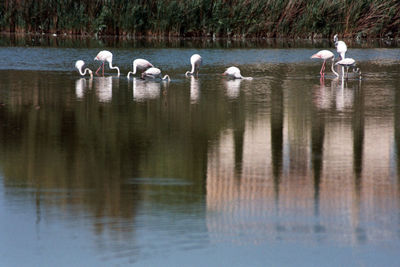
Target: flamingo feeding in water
(325, 55)
(348, 63)
(234, 72)
(140, 64)
(195, 61)
(106, 56)
(154, 73)
(79, 65)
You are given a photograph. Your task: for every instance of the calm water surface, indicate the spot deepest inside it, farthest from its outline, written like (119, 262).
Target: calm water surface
(283, 170)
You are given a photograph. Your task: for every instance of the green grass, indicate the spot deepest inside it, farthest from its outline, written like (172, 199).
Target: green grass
(219, 18)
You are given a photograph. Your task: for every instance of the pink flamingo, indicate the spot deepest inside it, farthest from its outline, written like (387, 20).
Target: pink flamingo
(105, 56)
(325, 55)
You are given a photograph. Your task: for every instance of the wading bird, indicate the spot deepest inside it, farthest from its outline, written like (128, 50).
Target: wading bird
(154, 73)
(79, 65)
(105, 56)
(140, 65)
(341, 47)
(325, 55)
(349, 63)
(196, 62)
(234, 72)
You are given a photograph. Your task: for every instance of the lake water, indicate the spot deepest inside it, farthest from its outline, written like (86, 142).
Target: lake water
(286, 169)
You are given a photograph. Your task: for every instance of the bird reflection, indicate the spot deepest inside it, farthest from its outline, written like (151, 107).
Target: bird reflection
(338, 95)
(194, 90)
(323, 95)
(103, 86)
(232, 88)
(143, 89)
(81, 85)
(344, 95)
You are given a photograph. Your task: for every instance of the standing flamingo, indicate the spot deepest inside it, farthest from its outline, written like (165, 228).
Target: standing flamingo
(140, 64)
(105, 56)
(234, 72)
(195, 61)
(325, 55)
(79, 65)
(154, 73)
(341, 47)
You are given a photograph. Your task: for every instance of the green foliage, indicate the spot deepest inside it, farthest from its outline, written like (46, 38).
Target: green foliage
(255, 18)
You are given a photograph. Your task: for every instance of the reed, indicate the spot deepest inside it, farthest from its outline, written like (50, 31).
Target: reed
(211, 18)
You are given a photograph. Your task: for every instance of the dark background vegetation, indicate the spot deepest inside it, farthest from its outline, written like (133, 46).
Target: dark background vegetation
(204, 18)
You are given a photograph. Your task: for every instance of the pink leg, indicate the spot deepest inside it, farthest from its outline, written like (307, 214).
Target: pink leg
(98, 70)
(103, 69)
(322, 68)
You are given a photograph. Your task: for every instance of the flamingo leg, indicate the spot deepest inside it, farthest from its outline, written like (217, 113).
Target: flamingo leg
(103, 69)
(98, 70)
(322, 69)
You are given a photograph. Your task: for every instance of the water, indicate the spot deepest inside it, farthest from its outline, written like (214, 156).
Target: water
(282, 170)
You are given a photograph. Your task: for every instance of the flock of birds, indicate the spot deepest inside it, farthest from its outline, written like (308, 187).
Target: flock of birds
(341, 49)
(149, 71)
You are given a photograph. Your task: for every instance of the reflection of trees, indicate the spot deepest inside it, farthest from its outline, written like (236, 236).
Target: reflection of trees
(49, 141)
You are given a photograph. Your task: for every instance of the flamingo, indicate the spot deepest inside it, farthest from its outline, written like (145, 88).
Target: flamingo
(195, 61)
(349, 63)
(141, 64)
(341, 47)
(234, 72)
(325, 55)
(154, 73)
(105, 56)
(79, 65)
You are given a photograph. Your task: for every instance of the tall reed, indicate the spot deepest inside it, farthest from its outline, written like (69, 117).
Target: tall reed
(250, 18)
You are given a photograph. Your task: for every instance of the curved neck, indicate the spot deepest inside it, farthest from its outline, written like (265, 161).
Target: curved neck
(333, 69)
(166, 77)
(129, 73)
(114, 67)
(84, 72)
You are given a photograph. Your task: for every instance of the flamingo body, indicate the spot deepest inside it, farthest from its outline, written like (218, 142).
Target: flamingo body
(325, 55)
(140, 64)
(154, 73)
(106, 56)
(79, 65)
(341, 47)
(234, 72)
(195, 61)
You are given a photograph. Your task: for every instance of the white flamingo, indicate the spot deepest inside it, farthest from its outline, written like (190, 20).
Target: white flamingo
(341, 47)
(195, 61)
(106, 56)
(141, 65)
(325, 55)
(154, 73)
(79, 65)
(348, 63)
(234, 72)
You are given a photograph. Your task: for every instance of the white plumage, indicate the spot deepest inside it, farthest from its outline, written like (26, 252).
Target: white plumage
(234, 72)
(140, 64)
(79, 65)
(154, 73)
(106, 56)
(195, 61)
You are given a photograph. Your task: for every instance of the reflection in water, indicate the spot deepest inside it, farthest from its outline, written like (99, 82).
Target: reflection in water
(232, 87)
(276, 161)
(104, 86)
(81, 85)
(143, 89)
(194, 90)
(344, 94)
